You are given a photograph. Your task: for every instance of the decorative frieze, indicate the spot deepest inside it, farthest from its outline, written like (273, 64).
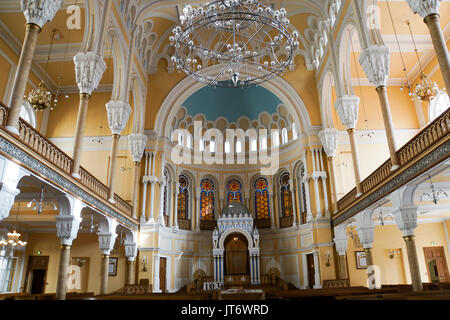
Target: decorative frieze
(424, 7)
(39, 12)
(347, 108)
(137, 143)
(118, 115)
(89, 69)
(375, 60)
(329, 138)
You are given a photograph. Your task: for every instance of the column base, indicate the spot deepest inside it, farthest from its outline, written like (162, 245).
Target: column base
(76, 175)
(318, 286)
(111, 200)
(13, 130)
(395, 167)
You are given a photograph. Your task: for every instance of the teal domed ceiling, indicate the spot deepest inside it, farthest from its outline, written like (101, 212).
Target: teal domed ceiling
(231, 103)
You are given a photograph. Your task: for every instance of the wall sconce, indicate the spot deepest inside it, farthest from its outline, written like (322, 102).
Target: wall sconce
(392, 253)
(328, 258)
(144, 263)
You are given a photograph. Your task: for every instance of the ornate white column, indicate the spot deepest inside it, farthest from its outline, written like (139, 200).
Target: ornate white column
(156, 260)
(406, 218)
(309, 214)
(153, 180)
(162, 184)
(347, 108)
(67, 226)
(197, 214)
(429, 11)
(328, 138)
(89, 69)
(341, 243)
(37, 13)
(365, 229)
(375, 60)
(136, 143)
(130, 253)
(106, 239)
(317, 284)
(143, 219)
(118, 115)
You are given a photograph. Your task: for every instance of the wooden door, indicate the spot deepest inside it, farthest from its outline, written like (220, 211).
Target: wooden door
(311, 270)
(436, 264)
(36, 281)
(162, 273)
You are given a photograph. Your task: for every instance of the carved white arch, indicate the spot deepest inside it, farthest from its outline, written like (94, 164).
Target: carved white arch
(245, 233)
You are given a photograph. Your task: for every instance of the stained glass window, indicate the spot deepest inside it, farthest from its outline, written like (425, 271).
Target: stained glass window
(286, 196)
(262, 199)
(234, 191)
(207, 200)
(183, 198)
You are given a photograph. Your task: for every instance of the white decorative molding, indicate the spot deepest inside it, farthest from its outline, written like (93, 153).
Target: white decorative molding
(40, 12)
(375, 60)
(424, 7)
(341, 239)
(89, 69)
(328, 138)
(347, 108)
(406, 219)
(67, 228)
(137, 143)
(7, 197)
(106, 241)
(130, 251)
(118, 115)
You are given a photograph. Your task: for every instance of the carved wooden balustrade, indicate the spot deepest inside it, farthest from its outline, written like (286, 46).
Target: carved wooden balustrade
(207, 225)
(39, 144)
(286, 222)
(432, 135)
(184, 224)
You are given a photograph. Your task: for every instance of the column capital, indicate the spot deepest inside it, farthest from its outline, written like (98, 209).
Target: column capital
(118, 115)
(366, 235)
(375, 60)
(137, 143)
(130, 251)
(347, 108)
(406, 218)
(67, 228)
(7, 197)
(341, 239)
(40, 12)
(328, 138)
(89, 69)
(424, 8)
(106, 242)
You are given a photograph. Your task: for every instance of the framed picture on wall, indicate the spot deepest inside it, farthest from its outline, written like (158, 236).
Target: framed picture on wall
(361, 260)
(112, 267)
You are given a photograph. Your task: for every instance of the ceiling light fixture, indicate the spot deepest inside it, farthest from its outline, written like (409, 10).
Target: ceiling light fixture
(245, 42)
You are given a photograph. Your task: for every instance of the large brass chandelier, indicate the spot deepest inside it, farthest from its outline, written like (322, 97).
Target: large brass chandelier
(41, 98)
(13, 240)
(243, 42)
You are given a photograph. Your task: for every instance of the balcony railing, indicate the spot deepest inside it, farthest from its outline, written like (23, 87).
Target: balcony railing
(433, 135)
(40, 145)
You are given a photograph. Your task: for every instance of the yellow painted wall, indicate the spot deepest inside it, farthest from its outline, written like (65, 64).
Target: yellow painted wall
(86, 245)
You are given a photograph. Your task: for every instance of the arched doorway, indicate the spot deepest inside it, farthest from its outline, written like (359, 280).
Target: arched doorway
(236, 255)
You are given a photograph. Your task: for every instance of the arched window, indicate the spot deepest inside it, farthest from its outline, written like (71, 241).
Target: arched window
(234, 191)
(438, 105)
(253, 145)
(284, 135)
(286, 201)
(262, 208)
(294, 132)
(207, 200)
(227, 147)
(183, 200)
(28, 114)
(263, 143)
(238, 146)
(275, 139)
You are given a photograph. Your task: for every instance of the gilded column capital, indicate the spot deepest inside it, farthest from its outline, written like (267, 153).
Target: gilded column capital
(39, 12)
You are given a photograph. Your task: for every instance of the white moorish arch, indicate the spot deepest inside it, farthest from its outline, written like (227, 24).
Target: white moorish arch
(278, 86)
